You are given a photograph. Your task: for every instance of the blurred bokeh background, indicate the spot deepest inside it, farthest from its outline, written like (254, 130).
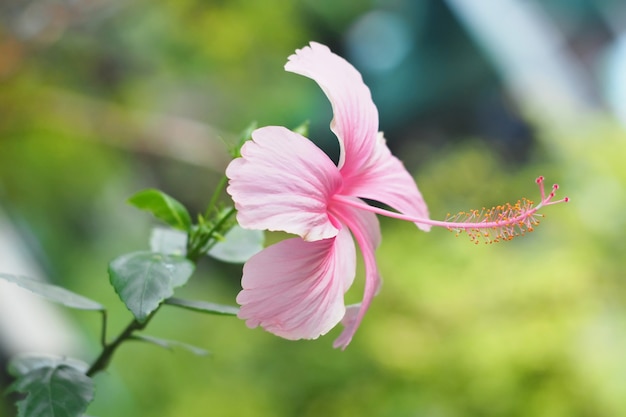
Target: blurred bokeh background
(101, 98)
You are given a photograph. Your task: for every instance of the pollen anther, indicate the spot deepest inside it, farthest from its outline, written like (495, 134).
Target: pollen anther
(502, 222)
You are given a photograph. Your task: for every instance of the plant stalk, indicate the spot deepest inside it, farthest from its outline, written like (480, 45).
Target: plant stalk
(103, 360)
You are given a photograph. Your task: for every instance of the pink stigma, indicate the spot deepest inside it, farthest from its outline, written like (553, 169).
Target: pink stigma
(490, 225)
(503, 222)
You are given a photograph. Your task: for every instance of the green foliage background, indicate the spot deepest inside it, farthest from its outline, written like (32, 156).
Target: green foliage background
(535, 327)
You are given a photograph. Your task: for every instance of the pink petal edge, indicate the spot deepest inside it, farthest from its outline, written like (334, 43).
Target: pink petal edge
(366, 230)
(367, 166)
(283, 182)
(294, 289)
(386, 180)
(355, 117)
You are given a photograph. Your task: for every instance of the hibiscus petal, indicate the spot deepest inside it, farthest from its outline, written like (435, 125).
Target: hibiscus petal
(386, 180)
(295, 288)
(367, 166)
(283, 182)
(366, 230)
(349, 319)
(355, 117)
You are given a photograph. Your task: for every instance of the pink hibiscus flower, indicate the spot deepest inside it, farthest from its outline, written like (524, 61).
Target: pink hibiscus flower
(284, 182)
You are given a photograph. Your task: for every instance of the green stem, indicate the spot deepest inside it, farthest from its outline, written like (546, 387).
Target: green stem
(103, 333)
(215, 196)
(103, 360)
(198, 248)
(209, 243)
(220, 223)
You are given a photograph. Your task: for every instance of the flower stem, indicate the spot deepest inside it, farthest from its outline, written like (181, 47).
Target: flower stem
(203, 241)
(215, 196)
(103, 360)
(199, 246)
(103, 333)
(199, 249)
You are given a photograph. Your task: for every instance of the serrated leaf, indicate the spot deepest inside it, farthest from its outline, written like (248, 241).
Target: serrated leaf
(53, 293)
(163, 207)
(144, 279)
(238, 245)
(203, 306)
(170, 344)
(53, 388)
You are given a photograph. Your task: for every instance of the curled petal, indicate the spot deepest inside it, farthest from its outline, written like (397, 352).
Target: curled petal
(366, 164)
(385, 179)
(283, 182)
(295, 288)
(366, 230)
(349, 319)
(355, 117)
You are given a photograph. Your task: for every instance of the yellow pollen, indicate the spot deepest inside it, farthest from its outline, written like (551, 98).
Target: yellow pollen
(498, 223)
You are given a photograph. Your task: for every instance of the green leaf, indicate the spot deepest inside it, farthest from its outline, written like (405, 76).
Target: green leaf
(238, 245)
(170, 344)
(26, 362)
(53, 293)
(163, 207)
(203, 306)
(168, 241)
(54, 387)
(144, 279)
